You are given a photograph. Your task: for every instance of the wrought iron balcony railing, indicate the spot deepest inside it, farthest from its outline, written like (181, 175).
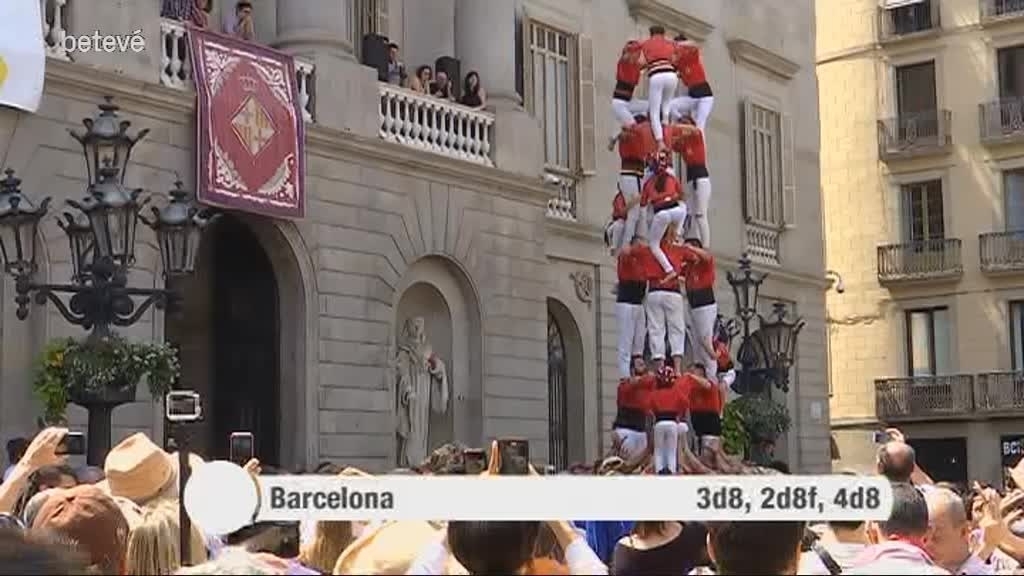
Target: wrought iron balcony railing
(897, 23)
(999, 9)
(922, 260)
(1001, 251)
(924, 397)
(915, 134)
(1002, 120)
(999, 392)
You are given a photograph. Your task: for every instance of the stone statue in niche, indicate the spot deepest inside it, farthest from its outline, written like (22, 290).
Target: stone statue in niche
(421, 388)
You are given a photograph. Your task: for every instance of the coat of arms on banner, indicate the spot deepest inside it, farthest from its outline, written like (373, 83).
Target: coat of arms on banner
(250, 126)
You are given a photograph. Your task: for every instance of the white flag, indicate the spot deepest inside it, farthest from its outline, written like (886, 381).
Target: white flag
(22, 54)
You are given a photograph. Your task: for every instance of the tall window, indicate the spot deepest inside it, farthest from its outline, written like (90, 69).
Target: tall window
(909, 16)
(1013, 200)
(368, 17)
(764, 179)
(1011, 72)
(1017, 334)
(922, 211)
(550, 92)
(928, 346)
(915, 90)
(558, 406)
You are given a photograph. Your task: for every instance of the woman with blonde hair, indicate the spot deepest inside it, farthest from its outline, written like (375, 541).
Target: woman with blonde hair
(329, 541)
(153, 544)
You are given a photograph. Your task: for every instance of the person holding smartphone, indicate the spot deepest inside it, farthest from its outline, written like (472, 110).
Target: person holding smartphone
(42, 451)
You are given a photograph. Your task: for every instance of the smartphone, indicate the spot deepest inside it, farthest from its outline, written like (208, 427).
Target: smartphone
(183, 406)
(72, 444)
(240, 448)
(881, 437)
(515, 456)
(475, 460)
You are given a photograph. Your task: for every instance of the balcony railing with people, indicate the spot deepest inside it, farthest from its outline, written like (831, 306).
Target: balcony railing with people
(999, 392)
(563, 205)
(924, 397)
(1001, 251)
(921, 260)
(1002, 120)
(763, 244)
(908, 19)
(916, 134)
(436, 125)
(1001, 9)
(176, 65)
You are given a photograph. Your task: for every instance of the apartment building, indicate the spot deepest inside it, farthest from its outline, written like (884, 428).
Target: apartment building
(492, 234)
(923, 186)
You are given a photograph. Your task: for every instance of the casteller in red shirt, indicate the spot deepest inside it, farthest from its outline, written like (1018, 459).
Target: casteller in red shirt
(633, 401)
(704, 398)
(671, 401)
(656, 275)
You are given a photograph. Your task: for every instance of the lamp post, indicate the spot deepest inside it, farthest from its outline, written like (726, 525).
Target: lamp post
(101, 235)
(766, 354)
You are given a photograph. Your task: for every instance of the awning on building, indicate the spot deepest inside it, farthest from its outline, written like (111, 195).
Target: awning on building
(889, 4)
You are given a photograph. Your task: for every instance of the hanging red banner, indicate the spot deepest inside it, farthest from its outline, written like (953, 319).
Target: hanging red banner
(250, 130)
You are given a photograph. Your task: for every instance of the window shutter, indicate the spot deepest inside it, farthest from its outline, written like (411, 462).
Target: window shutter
(381, 17)
(588, 154)
(749, 178)
(788, 172)
(526, 27)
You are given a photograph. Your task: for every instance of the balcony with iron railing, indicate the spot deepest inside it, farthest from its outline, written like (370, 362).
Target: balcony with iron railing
(924, 397)
(1001, 252)
(916, 134)
(1002, 121)
(908, 21)
(938, 259)
(999, 392)
(999, 10)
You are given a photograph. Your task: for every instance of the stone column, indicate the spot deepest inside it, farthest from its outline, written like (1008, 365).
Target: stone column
(485, 40)
(320, 31)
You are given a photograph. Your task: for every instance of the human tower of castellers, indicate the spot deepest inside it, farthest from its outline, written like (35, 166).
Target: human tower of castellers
(661, 238)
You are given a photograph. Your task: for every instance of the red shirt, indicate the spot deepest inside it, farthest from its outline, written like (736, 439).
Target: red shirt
(676, 257)
(700, 271)
(672, 191)
(704, 399)
(634, 393)
(693, 151)
(659, 52)
(671, 399)
(688, 62)
(633, 145)
(628, 72)
(722, 356)
(619, 209)
(631, 267)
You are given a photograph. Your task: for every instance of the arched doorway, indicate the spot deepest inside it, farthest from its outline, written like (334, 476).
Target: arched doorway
(228, 334)
(566, 392)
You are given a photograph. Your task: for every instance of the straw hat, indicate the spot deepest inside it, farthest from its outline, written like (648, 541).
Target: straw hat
(137, 469)
(391, 548)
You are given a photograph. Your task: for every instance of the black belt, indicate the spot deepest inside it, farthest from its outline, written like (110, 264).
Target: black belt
(665, 206)
(700, 297)
(631, 292)
(663, 416)
(657, 289)
(633, 166)
(696, 171)
(623, 90)
(630, 419)
(660, 67)
(702, 90)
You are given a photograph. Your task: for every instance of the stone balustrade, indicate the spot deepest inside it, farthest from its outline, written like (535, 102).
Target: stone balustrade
(176, 65)
(435, 125)
(55, 28)
(563, 205)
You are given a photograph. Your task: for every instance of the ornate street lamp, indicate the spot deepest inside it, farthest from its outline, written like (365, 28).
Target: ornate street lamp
(746, 285)
(101, 238)
(778, 337)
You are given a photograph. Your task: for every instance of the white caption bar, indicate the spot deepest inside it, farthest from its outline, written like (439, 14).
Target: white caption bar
(701, 498)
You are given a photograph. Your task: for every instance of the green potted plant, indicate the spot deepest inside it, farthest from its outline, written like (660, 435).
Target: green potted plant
(101, 372)
(760, 421)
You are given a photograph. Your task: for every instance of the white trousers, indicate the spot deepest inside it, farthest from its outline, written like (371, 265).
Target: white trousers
(725, 382)
(633, 442)
(702, 111)
(682, 107)
(666, 445)
(624, 111)
(661, 88)
(630, 186)
(631, 322)
(659, 224)
(665, 316)
(702, 321)
(698, 203)
(613, 233)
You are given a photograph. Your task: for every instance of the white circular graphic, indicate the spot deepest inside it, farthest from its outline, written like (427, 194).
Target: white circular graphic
(221, 497)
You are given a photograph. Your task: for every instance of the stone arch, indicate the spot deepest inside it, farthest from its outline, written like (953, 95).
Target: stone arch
(297, 332)
(434, 287)
(566, 387)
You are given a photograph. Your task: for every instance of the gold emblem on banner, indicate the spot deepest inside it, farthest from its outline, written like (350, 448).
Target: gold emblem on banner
(253, 126)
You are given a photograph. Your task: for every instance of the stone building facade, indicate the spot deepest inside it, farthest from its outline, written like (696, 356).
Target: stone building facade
(294, 323)
(921, 178)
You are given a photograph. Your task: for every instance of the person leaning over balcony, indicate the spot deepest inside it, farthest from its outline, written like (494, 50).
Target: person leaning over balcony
(396, 69)
(442, 87)
(241, 23)
(473, 92)
(422, 80)
(195, 11)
